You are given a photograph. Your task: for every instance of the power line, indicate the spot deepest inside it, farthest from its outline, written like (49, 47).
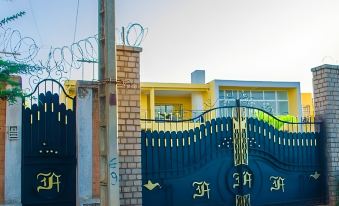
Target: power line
(76, 21)
(35, 22)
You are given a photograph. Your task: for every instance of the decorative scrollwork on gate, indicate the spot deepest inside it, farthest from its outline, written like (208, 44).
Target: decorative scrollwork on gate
(240, 142)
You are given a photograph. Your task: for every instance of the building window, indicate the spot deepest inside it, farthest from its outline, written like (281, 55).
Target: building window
(274, 102)
(168, 112)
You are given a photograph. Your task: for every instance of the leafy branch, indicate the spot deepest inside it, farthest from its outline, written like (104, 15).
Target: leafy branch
(12, 18)
(9, 87)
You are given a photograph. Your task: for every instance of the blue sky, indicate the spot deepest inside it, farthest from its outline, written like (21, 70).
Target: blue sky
(273, 40)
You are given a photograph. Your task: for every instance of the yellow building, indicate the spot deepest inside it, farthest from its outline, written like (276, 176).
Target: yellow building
(173, 101)
(178, 101)
(182, 101)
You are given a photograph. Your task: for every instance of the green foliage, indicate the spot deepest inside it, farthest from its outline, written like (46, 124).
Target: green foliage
(9, 88)
(274, 122)
(12, 18)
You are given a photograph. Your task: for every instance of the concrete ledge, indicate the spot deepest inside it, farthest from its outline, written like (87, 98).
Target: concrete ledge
(325, 66)
(90, 202)
(128, 48)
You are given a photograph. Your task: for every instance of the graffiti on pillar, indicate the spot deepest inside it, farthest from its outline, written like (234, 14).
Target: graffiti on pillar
(113, 171)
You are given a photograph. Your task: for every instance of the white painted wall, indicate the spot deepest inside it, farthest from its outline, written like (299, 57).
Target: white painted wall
(197, 103)
(84, 143)
(13, 154)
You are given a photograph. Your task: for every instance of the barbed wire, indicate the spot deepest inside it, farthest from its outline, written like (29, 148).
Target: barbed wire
(135, 34)
(58, 62)
(16, 47)
(329, 60)
(12, 18)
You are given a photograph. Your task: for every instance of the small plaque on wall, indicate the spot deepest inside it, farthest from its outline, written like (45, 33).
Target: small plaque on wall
(13, 133)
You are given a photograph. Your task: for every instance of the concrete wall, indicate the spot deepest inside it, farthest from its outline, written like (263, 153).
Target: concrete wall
(84, 133)
(2, 147)
(197, 103)
(13, 153)
(326, 102)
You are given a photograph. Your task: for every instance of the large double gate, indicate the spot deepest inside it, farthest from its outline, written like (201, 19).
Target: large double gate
(238, 156)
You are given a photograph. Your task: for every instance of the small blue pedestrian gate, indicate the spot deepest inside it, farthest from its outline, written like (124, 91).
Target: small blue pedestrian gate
(234, 155)
(48, 147)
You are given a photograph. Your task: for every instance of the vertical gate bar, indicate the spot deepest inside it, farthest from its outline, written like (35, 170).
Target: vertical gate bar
(162, 154)
(185, 151)
(168, 153)
(37, 119)
(195, 148)
(224, 131)
(48, 116)
(279, 145)
(258, 136)
(173, 152)
(143, 155)
(299, 150)
(191, 150)
(213, 138)
(156, 155)
(149, 162)
(295, 154)
(221, 133)
(286, 147)
(179, 152)
(276, 145)
(152, 145)
(208, 140)
(203, 142)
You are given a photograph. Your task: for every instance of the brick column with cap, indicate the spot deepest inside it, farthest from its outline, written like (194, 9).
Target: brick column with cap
(326, 102)
(129, 125)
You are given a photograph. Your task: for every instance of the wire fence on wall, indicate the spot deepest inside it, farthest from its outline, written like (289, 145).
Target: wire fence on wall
(75, 61)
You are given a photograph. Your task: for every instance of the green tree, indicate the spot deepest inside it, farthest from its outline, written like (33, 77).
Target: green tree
(9, 87)
(277, 122)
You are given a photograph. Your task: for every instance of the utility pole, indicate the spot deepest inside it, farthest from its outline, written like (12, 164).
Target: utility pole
(108, 129)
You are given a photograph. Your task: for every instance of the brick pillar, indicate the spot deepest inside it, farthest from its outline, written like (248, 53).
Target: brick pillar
(326, 102)
(2, 147)
(129, 125)
(95, 146)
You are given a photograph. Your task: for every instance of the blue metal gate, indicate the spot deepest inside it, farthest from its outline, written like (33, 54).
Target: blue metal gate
(48, 147)
(238, 156)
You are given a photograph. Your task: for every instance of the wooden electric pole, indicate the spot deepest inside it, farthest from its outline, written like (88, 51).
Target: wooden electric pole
(108, 129)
